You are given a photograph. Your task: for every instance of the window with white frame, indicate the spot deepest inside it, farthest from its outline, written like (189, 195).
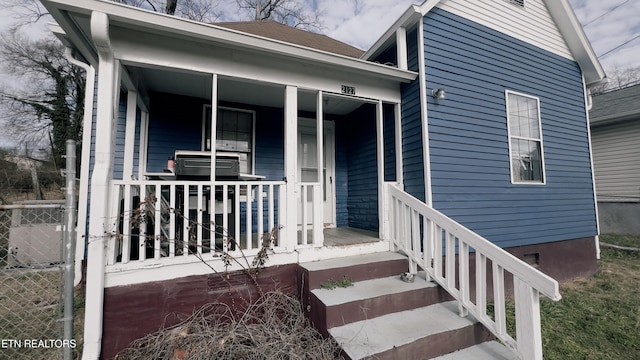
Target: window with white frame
(234, 133)
(525, 138)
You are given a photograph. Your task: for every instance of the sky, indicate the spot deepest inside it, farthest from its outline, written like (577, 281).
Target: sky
(612, 26)
(607, 24)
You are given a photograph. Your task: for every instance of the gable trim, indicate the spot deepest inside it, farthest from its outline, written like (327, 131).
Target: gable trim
(562, 14)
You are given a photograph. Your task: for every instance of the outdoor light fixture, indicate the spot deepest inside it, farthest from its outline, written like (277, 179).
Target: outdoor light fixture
(438, 94)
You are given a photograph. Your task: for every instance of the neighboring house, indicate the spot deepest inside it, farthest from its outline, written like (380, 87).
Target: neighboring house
(615, 130)
(474, 109)
(24, 162)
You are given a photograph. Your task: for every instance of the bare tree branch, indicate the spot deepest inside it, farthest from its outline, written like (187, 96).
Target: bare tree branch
(619, 78)
(289, 12)
(198, 10)
(25, 12)
(50, 100)
(170, 8)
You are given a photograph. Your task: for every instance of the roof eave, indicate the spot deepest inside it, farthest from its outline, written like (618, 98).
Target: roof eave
(143, 19)
(615, 118)
(408, 18)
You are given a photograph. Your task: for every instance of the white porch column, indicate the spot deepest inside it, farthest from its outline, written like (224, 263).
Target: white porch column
(382, 198)
(291, 166)
(213, 127)
(401, 48)
(214, 122)
(130, 135)
(99, 223)
(144, 142)
(397, 112)
(318, 200)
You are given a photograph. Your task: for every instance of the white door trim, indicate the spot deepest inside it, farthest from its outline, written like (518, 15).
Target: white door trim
(328, 180)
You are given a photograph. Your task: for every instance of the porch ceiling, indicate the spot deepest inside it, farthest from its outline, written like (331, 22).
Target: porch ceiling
(196, 84)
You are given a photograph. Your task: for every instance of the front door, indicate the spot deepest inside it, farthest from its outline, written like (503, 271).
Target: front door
(308, 166)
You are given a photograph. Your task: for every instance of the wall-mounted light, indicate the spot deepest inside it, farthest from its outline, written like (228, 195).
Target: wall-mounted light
(438, 94)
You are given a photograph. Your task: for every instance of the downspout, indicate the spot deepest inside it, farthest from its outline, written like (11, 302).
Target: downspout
(83, 192)
(99, 224)
(588, 102)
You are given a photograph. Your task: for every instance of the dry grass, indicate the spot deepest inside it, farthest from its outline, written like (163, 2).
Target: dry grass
(29, 309)
(274, 327)
(598, 317)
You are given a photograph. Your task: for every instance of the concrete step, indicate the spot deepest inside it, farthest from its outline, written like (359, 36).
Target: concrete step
(490, 350)
(372, 298)
(420, 333)
(357, 268)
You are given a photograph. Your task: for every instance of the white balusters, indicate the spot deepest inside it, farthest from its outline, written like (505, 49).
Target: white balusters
(176, 218)
(443, 238)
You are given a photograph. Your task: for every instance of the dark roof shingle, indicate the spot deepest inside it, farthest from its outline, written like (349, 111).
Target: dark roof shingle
(274, 30)
(616, 102)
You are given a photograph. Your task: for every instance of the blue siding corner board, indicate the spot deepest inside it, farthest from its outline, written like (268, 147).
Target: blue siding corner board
(469, 141)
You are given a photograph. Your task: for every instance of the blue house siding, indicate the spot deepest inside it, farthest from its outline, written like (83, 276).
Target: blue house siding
(412, 50)
(412, 147)
(342, 137)
(269, 145)
(136, 146)
(361, 148)
(470, 162)
(389, 132)
(118, 150)
(269, 155)
(172, 128)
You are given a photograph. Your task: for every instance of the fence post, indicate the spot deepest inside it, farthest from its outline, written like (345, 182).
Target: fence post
(70, 248)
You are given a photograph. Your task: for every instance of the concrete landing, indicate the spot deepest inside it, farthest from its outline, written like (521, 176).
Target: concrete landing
(348, 261)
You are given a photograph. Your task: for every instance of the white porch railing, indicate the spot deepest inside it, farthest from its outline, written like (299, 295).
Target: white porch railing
(176, 219)
(310, 212)
(427, 236)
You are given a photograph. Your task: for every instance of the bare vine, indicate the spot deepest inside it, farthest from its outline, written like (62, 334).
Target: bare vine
(141, 216)
(273, 327)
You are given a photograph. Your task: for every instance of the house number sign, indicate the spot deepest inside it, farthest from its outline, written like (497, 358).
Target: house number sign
(349, 90)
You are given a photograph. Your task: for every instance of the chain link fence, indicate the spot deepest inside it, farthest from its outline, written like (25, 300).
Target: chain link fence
(31, 280)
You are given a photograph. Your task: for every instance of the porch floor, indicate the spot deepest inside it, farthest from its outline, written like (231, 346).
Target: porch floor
(348, 236)
(340, 236)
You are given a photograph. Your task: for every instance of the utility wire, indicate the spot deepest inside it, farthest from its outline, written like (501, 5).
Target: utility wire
(619, 46)
(605, 13)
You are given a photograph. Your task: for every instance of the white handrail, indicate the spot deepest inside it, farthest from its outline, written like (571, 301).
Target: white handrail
(427, 236)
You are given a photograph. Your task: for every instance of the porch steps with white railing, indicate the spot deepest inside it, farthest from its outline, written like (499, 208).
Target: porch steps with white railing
(382, 317)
